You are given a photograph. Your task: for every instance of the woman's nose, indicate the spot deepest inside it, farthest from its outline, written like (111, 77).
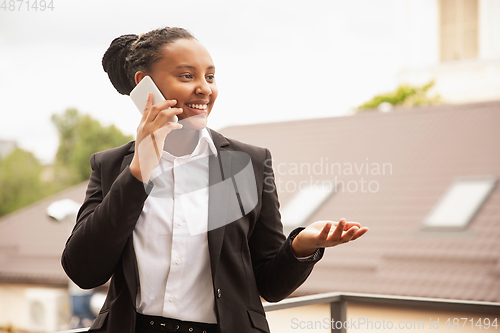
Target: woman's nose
(203, 88)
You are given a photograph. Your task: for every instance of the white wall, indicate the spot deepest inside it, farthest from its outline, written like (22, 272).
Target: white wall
(15, 310)
(417, 32)
(12, 305)
(489, 29)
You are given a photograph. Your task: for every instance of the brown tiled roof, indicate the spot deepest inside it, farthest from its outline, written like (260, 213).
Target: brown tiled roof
(31, 242)
(428, 149)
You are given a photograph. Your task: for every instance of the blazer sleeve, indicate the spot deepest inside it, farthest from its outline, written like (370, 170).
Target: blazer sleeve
(103, 226)
(278, 272)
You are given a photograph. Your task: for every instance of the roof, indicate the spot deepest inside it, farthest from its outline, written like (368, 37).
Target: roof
(427, 149)
(31, 243)
(423, 150)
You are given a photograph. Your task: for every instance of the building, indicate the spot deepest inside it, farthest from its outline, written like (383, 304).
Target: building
(454, 43)
(33, 285)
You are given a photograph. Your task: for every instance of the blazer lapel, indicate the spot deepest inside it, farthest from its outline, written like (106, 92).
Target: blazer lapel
(128, 158)
(129, 260)
(218, 197)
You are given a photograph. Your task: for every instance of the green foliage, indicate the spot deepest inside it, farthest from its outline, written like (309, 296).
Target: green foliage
(20, 181)
(79, 137)
(66, 126)
(404, 95)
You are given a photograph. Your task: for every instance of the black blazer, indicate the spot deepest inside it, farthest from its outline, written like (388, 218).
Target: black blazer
(249, 257)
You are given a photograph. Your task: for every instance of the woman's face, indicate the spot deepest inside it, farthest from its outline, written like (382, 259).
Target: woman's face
(186, 73)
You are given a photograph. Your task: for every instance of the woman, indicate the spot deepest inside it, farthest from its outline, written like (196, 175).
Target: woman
(143, 199)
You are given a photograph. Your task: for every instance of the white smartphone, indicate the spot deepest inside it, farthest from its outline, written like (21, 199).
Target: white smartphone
(140, 95)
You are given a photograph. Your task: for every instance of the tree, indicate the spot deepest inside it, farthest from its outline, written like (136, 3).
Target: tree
(404, 95)
(79, 137)
(20, 181)
(20, 172)
(66, 125)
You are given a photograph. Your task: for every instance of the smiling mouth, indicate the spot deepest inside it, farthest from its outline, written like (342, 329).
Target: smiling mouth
(198, 106)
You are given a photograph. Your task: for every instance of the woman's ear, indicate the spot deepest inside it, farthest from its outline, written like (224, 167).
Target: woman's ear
(139, 76)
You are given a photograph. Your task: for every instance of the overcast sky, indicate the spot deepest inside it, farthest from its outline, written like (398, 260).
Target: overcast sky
(275, 60)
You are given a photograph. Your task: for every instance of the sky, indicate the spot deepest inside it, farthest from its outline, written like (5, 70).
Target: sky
(275, 60)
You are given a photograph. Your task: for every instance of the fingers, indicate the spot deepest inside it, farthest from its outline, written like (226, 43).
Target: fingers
(344, 232)
(349, 225)
(149, 103)
(360, 233)
(329, 233)
(323, 235)
(337, 234)
(168, 127)
(153, 110)
(159, 115)
(165, 117)
(349, 235)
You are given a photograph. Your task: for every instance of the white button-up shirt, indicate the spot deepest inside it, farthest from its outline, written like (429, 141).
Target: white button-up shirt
(170, 239)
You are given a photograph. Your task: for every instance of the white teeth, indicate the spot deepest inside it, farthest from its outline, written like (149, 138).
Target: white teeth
(198, 106)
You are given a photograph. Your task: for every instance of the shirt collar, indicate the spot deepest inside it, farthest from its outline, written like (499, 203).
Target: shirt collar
(205, 135)
(204, 140)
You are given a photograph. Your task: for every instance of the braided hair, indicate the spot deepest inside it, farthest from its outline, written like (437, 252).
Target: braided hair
(129, 54)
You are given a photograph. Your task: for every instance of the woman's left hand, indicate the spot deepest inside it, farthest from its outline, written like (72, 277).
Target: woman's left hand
(321, 234)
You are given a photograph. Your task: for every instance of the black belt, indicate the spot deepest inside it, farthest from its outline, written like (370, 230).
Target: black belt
(161, 324)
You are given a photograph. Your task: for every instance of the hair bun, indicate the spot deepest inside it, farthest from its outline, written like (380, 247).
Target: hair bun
(114, 63)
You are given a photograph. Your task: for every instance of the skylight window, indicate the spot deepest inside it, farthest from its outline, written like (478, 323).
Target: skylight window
(308, 199)
(460, 202)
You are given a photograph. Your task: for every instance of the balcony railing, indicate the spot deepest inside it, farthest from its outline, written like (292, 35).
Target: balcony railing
(338, 305)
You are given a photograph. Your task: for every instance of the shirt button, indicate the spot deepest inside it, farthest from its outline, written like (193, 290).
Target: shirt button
(219, 293)
(177, 261)
(171, 299)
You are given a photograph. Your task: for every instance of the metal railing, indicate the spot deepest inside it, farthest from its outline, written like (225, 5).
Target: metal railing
(338, 304)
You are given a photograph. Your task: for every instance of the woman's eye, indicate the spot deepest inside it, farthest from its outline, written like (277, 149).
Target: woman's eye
(187, 76)
(211, 77)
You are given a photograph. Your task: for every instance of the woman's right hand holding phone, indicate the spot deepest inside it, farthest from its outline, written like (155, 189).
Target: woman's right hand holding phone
(151, 133)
